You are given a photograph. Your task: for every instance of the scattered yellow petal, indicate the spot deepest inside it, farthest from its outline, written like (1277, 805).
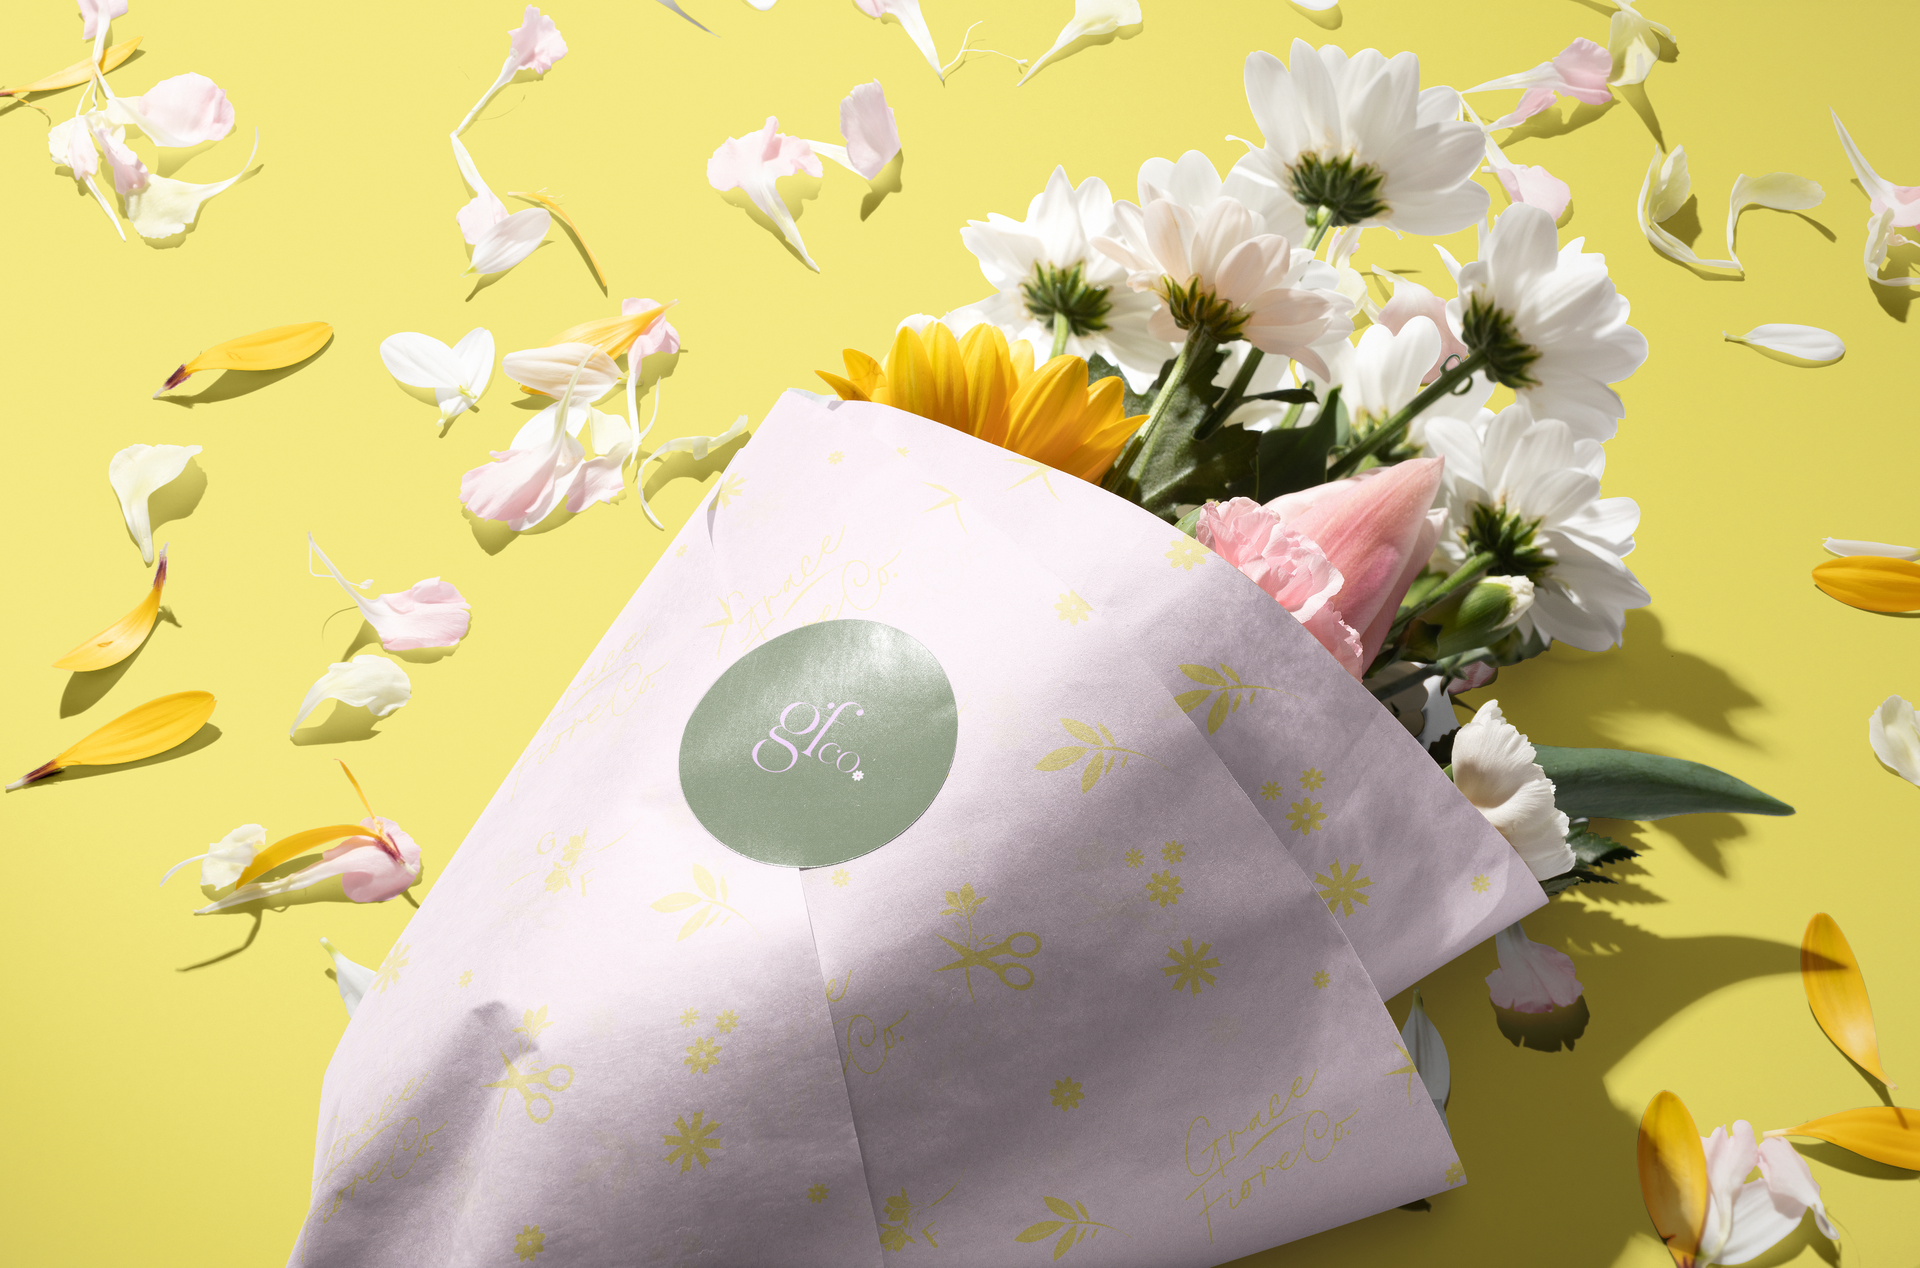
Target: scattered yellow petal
(294, 846)
(1673, 1177)
(78, 73)
(1838, 994)
(262, 350)
(154, 727)
(613, 335)
(553, 205)
(1884, 1133)
(119, 640)
(1870, 582)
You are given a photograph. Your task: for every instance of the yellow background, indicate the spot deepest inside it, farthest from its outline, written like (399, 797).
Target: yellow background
(162, 1113)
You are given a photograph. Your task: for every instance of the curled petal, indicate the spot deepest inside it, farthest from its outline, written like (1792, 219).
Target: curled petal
(167, 206)
(1429, 1055)
(78, 73)
(1664, 191)
(429, 614)
(1808, 343)
(1494, 768)
(1090, 17)
(658, 336)
(136, 473)
(178, 112)
(352, 979)
(1531, 978)
(121, 639)
(548, 370)
(367, 866)
(907, 14)
(1842, 546)
(226, 858)
(371, 682)
(867, 126)
(537, 43)
(754, 162)
(1837, 991)
(1889, 1134)
(96, 15)
(1778, 191)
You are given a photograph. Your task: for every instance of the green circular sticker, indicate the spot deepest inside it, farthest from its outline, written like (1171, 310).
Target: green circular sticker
(820, 745)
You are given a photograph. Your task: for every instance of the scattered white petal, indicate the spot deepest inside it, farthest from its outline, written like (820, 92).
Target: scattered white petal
(136, 473)
(352, 979)
(1894, 733)
(431, 613)
(458, 376)
(907, 14)
(370, 682)
(167, 206)
(753, 162)
(669, 4)
(1429, 1055)
(226, 858)
(1090, 17)
(1778, 191)
(1633, 43)
(698, 446)
(1531, 978)
(1662, 194)
(1843, 547)
(510, 241)
(1809, 343)
(548, 370)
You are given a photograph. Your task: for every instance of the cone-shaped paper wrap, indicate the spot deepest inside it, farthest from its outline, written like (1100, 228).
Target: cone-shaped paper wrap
(1048, 985)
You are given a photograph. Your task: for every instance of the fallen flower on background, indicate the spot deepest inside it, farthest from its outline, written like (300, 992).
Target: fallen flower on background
(697, 446)
(370, 682)
(536, 45)
(1494, 768)
(866, 125)
(553, 206)
(1745, 1220)
(1844, 547)
(143, 732)
(907, 14)
(457, 376)
(167, 206)
(1871, 582)
(545, 466)
(1884, 1133)
(352, 979)
(1633, 43)
(224, 860)
(1673, 1177)
(1893, 207)
(1662, 194)
(1428, 1054)
(499, 240)
(638, 327)
(548, 371)
(120, 640)
(271, 349)
(97, 15)
(136, 474)
(752, 164)
(1776, 191)
(78, 73)
(375, 862)
(1809, 343)
(1579, 71)
(1837, 990)
(429, 613)
(1531, 978)
(1090, 17)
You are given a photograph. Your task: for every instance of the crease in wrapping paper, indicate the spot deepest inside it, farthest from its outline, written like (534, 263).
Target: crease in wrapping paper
(1119, 1020)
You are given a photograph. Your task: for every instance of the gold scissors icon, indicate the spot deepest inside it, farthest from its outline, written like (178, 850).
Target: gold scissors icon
(985, 959)
(521, 1080)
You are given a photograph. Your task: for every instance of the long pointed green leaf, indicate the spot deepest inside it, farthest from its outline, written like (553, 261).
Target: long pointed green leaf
(1609, 783)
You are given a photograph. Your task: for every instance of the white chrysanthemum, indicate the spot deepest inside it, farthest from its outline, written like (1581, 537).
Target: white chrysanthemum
(1046, 264)
(1528, 493)
(1356, 136)
(1548, 321)
(1493, 768)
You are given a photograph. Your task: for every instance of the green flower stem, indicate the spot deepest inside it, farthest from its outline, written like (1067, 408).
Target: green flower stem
(1062, 327)
(1390, 432)
(1448, 667)
(1198, 347)
(1231, 398)
(1321, 220)
(1467, 574)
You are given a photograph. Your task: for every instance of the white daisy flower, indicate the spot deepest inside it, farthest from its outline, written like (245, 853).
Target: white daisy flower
(1494, 768)
(1547, 322)
(1527, 492)
(1353, 141)
(1045, 265)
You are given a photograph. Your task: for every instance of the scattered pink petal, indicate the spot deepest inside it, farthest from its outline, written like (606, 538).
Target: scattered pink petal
(1580, 72)
(753, 162)
(96, 14)
(130, 175)
(1410, 300)
(184, 110)
(429, 613)
(537, 44)
(368, 870)
(1537, 187)
(867, 126)
(658, 337)
(1531, 978)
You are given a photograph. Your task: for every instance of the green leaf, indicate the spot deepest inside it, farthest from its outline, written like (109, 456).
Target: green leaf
(1217, 714)
(676, 902)
(1291, 458)
(1590, 850)
(1184, 472)
(1058, 1207)
(1059, 759)
(1190, 522)
(1190, 700)
(1035, 1232)
(1081, 731)
(1200, 673)
(1098, 367)
(1617, 784)
(1091, 775)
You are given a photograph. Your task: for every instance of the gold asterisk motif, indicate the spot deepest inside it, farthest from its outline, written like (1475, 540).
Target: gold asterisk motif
(681, 551)
(466, 979)
(689, 1017)
(702, 1056)
(833, 460)
(1134, 858)
(1407, 1069)
(1072, 608)
(841, 876)
(1066, 1094)
(1305, 816)
(1320, 980)
(1164, 888)
(816, 1193)
(528, 1242)
(726, 1021)
(902, 451)
(1270, 790)
(693, 1142)
(729, 490)
(1481, 884)
(1343, 888)
(1311, 778)
(1189, 969)
(388, 974)
(1186, 553)
(1173, 851)
(1455, 1174)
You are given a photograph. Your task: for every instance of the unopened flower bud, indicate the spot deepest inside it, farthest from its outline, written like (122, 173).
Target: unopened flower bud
(1490, 607)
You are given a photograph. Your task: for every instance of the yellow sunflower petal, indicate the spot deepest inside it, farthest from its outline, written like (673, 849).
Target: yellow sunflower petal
(294, 846)
(262, 350)
(949, 377)
(910, 375)
(1837, 993)
(1045, 414)
(990, 381)
(1673, 1177)
(612, 335)
(1871, 582)
(1022, 355)
(1884, 1133)
(119, 640)
(78, 73)
(154, 727)
(847, 391)
(553, 205)
(865, 373)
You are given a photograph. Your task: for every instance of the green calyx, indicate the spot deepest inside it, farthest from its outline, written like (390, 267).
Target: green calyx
(1349, 191)
(1496, 531)
(1488, 331)
(1194, 307)
(1054, 292)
